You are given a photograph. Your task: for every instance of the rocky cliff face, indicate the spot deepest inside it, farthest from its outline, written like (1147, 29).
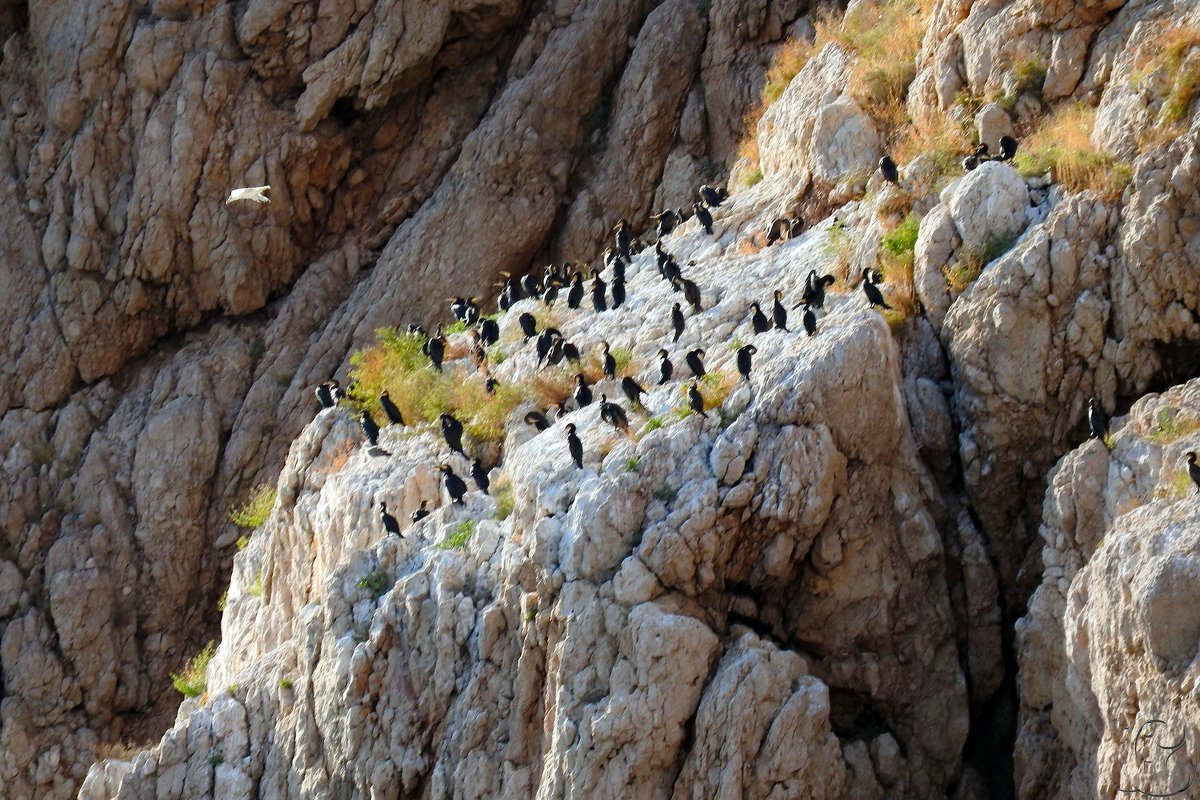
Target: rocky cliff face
(823, 601)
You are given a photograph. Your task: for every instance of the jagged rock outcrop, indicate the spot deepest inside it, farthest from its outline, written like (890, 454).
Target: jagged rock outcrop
(1108, 648)
(779, 551)
(161, 344)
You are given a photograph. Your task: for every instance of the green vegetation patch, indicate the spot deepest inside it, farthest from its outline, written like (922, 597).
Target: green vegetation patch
(459, 536)
(193, 681)
(254, 512)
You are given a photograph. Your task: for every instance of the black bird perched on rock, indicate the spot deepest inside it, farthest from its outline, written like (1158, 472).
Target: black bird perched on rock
(796, 227)
(705, 218)
(556, 351)
(691, 292)
(574, 445)
(538, 420)
(671, 271)
(976, 158)
(421, 513)
(544, 341)
(489, 331)
(435, 348)
(389, 408)
(814, 289)
(528, 325)
(614, 415)
(810, 320)
(369, 428)
(335, 391)
(530, 285)
(454, 484)
(888, 168)
(583, 394)
(667, 220)
(874, 296)
(325, 396)
(390, 525)
(570, 352)
(633, 390)
(711, 196)
(695, 399)
(694, 363)
(618, 291)
(661, 257)
(452, 431)
(458, 308)
(471, 315)
(779, 230)
(1096, 420)
(758, 319)
(744, 354)
(677, 321)
(479, 475)
(1193, 470)
(779, 313)
(609, 363)
(621, 233)
(598, 289)
(665, 367)
(1008, 148)
(575, 295)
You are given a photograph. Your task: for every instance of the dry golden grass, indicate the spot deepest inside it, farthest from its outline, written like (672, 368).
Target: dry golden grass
(1175, 53)
(1062, 145)
(397, 364)
(896, 263)
(549, 387)
(120, 751)
(934, 135)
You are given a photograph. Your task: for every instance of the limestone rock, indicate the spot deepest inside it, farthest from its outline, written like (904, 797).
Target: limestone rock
(992, 122)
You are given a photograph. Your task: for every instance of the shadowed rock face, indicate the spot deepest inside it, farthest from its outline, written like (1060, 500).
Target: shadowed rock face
(160, 346)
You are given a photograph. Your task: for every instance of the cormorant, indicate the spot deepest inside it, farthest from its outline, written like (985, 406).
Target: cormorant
(435, 348)
(570, 352)
(325, 396)
(609, 363)
(559, 410)
(758, 319)
(976, 158)
(661, 257)
(621, 232)
(888, 168)
(666, 222)
(418, 330)
(1096, 420)
(556, 351)
(777, 230)
(779, 313)
(691, 292)
(598, 289)
(454, 484)
(694, 363)
(421, 513)
(458, 308)
(814, 289)
(530, 286)
(471, 314)
(874, 296)
(489, 331)
(796, 227)
(665, 367)
(528, 325)
(633, 390)
(390, 525)
(574, 445)
(479, 475)
(810, 320)
(1008, 148)
(743, 360)
(618, 291)
(671, 271)
(335, 391)
(490, 385)
(538, 420)
(705, 218)
(614, 415)
(677, 321)
(711, 196)
(389, 408)
(370, 428)
(452, 431)
(575, 295)
(544, 340)
(1193, 470)
(583, 394)
(695, 399)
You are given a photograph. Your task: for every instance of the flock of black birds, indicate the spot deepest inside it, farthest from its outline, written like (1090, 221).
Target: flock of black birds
(552, 348)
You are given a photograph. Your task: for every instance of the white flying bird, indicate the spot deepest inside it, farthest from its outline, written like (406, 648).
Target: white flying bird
(255, 193)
